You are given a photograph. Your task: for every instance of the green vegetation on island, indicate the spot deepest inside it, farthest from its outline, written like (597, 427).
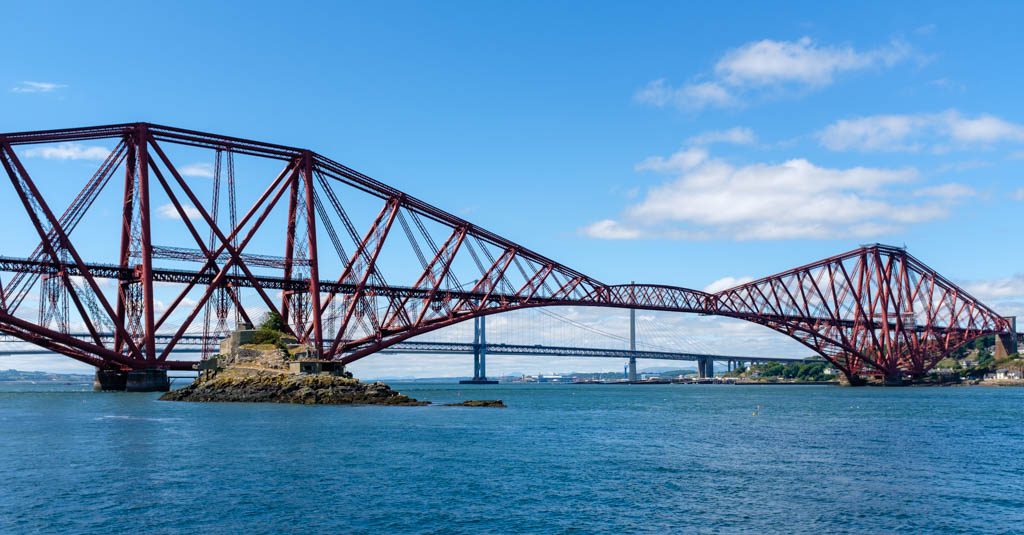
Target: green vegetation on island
(977, 362)
(812, 371)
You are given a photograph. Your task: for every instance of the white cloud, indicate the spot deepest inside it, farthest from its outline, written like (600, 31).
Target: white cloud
(737, 136)
(946, 191)
(688, 97)
(959, 167)
(997, 289)
(770, 64)
(697, 96)
(938, 131)
(608, 229)
(947, 84)
(725, 283)
(36, 87)
(203, 170)
(794, 199)
(69, 151)
(167, 211)
(982, 129)
(879, 132)
(676, 163)
(1005, 295)
(656, 93)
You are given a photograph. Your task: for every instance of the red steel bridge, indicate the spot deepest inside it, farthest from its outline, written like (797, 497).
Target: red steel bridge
(176, 228)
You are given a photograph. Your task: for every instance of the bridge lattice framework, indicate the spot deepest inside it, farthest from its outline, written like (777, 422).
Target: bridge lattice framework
(875, 309)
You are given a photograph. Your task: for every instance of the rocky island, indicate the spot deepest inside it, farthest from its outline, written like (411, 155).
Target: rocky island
(496, 403)
(267, 366)
(269, 386)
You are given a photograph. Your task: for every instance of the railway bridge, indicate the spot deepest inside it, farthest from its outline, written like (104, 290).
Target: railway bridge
(202, 229)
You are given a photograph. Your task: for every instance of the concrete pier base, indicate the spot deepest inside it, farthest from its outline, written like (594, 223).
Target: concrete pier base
(894, 380)
(110, 380)
(852, 380)
(147, 381)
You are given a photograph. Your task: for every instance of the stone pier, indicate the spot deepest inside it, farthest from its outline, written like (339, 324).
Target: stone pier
(147, 381)
(1006, 344)
(110, 381)
(131, 381)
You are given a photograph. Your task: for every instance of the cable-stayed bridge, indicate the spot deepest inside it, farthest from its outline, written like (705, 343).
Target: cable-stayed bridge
(518, 336)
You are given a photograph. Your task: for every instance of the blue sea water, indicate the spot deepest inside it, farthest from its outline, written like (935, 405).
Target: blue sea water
(560, 459)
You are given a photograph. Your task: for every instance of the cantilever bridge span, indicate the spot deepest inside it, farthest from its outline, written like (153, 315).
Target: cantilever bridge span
(205, 229)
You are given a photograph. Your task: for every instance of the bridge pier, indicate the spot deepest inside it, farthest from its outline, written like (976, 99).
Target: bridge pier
(852, 380)
(110, 381)
(895, 379)
(705, 368)
(151, 380)
(1006, 344)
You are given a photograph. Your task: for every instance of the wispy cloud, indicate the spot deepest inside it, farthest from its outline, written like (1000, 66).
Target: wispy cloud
(939, 132)
(1005, 294)
(36, 87)
(802, 62)
(946, 191)
(725, 283)
(167, 211)
(688, 97)
(736, 136)
(69, 151)
(203, 170)
(609, 229)
(769, 65)
(678, 162)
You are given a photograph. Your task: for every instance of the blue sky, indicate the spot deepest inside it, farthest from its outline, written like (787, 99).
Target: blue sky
(662, 143)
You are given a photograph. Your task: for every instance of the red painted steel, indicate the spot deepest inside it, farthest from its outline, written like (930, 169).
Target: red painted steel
(873, 310)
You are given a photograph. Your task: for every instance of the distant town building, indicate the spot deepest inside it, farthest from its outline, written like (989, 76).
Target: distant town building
(1004, 374)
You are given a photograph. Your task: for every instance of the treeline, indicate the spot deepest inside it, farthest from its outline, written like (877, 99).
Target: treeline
(809, 371)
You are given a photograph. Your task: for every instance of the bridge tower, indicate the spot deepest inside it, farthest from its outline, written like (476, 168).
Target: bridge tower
(479, 354)
(632, 344)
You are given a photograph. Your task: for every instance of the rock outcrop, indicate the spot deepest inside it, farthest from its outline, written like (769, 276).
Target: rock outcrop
(497, 403)
(272, 386)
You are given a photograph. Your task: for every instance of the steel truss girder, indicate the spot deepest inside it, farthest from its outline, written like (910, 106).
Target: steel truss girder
(874, 309)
